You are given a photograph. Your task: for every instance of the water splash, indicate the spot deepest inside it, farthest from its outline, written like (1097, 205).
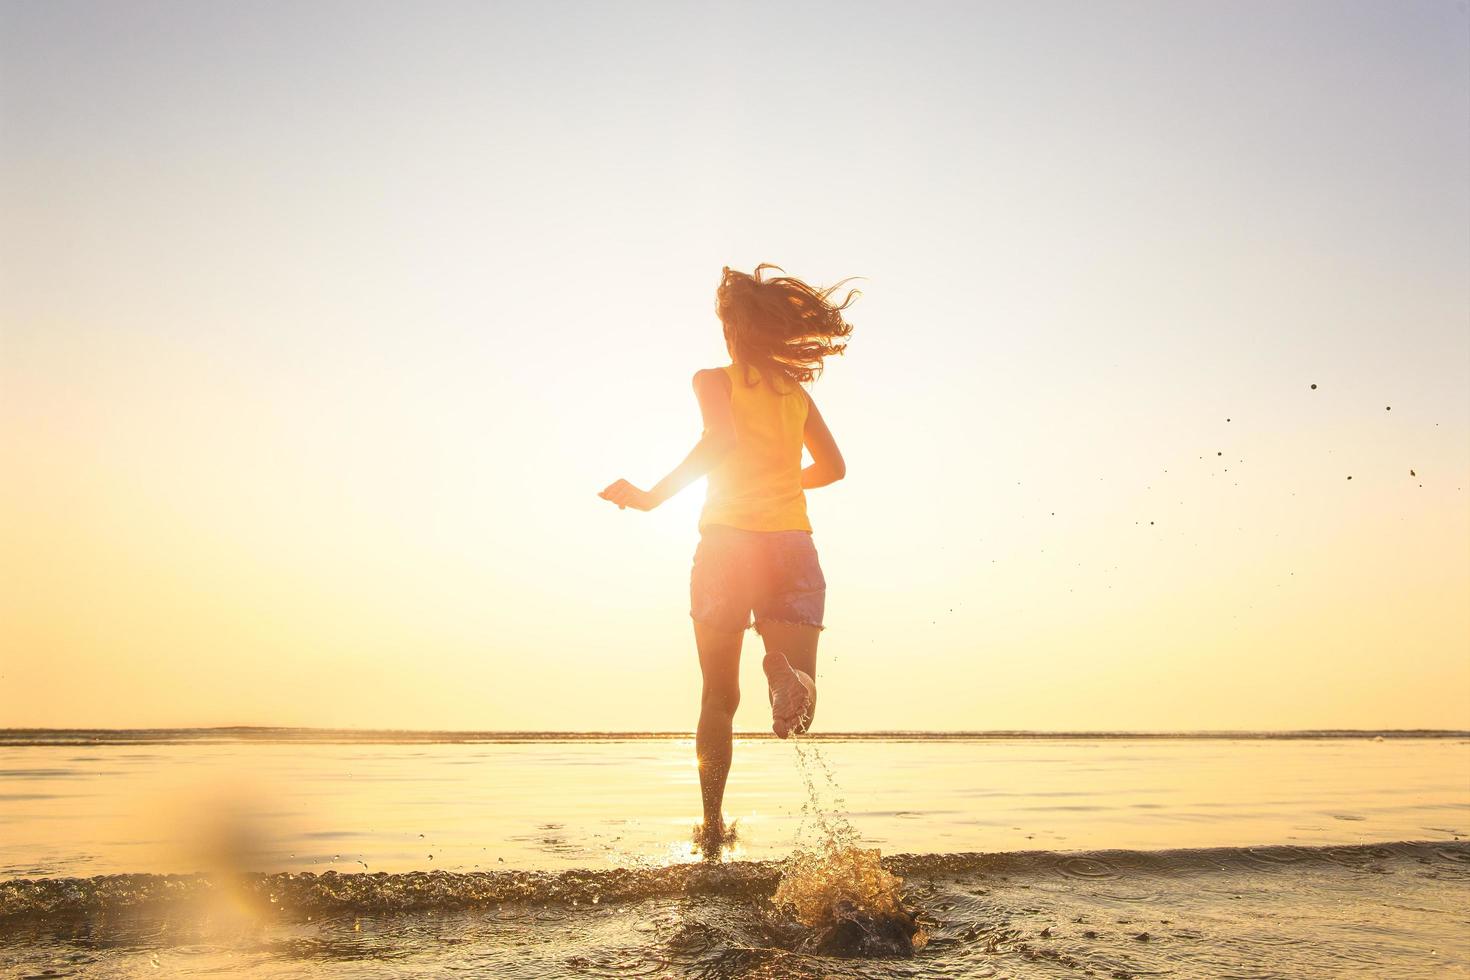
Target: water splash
(833, 886)
(725, 843)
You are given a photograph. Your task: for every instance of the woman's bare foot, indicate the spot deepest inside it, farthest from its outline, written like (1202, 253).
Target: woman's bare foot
(709, 837)
(793, 696)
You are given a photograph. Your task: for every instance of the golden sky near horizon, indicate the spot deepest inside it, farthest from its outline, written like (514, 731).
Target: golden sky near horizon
(321, 326)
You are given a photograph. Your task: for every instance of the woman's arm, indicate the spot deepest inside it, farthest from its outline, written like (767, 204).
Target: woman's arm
(827, 464)
(712, 388)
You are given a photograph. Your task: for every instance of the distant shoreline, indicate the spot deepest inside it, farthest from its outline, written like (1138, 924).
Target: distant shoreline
(17, 737)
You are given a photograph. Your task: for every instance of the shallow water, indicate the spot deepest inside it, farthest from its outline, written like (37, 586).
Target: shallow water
(1104, 857)
(285, 805)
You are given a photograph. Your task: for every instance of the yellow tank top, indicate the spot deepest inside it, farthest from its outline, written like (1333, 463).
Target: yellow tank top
(758, 486)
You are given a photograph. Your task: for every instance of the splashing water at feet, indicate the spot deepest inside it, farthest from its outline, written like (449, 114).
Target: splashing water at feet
(714, 843)
(835, 888)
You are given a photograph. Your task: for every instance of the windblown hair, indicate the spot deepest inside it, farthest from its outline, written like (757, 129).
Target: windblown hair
(781, 326)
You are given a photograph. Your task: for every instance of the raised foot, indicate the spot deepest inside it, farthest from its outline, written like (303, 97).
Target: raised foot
(793, 696)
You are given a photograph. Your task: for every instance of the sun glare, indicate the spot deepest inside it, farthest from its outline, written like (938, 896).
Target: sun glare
(678, 516)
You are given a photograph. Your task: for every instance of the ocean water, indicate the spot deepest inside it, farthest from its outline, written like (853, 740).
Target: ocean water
(283, 853)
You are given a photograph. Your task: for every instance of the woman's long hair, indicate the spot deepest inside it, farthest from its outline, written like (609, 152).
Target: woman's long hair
(781, 326)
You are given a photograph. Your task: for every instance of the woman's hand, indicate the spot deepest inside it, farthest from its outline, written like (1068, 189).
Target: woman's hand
(624, 494)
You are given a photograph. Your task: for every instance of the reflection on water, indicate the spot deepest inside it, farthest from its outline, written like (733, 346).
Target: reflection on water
(282, 806)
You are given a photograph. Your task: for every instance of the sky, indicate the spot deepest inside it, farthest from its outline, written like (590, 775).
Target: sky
(321, 326)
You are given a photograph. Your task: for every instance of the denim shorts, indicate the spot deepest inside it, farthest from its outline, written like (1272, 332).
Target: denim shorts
(773, 574)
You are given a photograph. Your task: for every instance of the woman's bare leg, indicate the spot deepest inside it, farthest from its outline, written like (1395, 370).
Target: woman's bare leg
(799, 643)
(719, 661)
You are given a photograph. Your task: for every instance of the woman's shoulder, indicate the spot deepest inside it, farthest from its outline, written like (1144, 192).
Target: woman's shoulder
(712, 377)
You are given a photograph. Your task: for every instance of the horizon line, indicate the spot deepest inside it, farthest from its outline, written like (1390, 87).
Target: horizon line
(15, 736)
